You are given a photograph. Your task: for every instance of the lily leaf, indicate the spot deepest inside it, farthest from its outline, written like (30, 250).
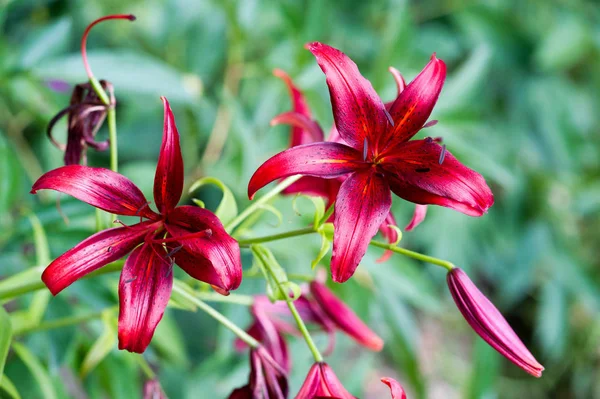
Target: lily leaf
(325, 245)
(9, 388)
(37, 370)
(103, 345)
(5, 338)
(227, 209)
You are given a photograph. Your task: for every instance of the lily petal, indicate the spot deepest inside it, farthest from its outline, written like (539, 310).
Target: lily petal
(92, 253)
(362, 204)
(219, 249)
(391, 235)
(98, 187)
(325, 188)
(300, 135)
(144, 291)
(416, 175)
(310, 130)
(321, 382)
(357, 109)
(168, 181)
(325, 160)
(400, 86)
(344, 317)
(396, 389)
(413, 106)
(418, 216)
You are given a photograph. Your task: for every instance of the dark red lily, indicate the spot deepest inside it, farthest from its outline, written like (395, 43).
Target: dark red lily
(395, 388)
(488, 322)
(86, 111)
(268, 380)
(377, 157)
(189, 236)
(321, 382)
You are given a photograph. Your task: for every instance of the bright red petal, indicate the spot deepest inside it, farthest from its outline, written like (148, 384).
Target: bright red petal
(357, 109)
(168, 181)
(362, 204)
(93, 253)
(415, 174)
(325, 160)
(396, 389)
(300, 135)
(214, 258)
(98, 187)
(144, 291)
(418, 217)
(413, 106)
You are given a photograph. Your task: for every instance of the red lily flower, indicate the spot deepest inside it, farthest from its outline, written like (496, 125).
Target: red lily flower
(189, 236)
(378, 157)
(267, 379)
(396, 389)
(489, 323)
(321, 382)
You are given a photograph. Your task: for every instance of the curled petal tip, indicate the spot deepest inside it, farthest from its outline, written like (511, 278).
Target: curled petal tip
(433, 56)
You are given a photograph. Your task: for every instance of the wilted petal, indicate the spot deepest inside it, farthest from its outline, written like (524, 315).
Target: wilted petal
(325, 160)
(299, 134)
(321, 382)
(344, 318)
(309, 130)
(98, 187)
(362, 204)
(396, 389)
(415, 174)
(413, 106)
(92, 253)
(390, 235)
(144, 291)
(168, 181)
(357, 109)
(489, 323)
(216, 247)
(418, 217)
(267, 379)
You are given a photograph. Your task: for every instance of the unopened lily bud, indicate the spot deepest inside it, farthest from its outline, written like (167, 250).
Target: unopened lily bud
(321, 382)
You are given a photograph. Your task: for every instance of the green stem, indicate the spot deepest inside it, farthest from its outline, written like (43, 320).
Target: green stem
(275, 237)
(262, 200)
(237, 299)
(301, 326)
(243, 335)
(146, 369)
(59, 323)
(414, 255)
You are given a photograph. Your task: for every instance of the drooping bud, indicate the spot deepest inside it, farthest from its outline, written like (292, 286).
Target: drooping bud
(321, 382)
(489, 323)
(267, 378)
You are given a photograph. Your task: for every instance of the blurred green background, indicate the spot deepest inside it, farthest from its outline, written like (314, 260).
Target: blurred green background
(521, 106)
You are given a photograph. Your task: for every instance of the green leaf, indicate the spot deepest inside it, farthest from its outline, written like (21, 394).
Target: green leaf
(47, 41)
(128, 71)
(5, 338)
(7, 386)
(227, 209)
(103, 345)
(10, 177)
(552, 319)
(325, 245)
(486, 362)
(272, 271)
(37, 370)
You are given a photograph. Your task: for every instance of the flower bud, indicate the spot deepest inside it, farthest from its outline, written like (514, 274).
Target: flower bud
(321, 382)
(396, 389)
(489, 323)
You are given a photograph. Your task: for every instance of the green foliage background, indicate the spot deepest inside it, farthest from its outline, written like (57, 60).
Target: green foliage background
(520, 105)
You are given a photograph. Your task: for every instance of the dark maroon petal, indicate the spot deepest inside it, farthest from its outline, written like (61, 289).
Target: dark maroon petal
(413, 106)
(390, 235)
(362, 204)
(309, 130)
(325, 160)
(144, 291)
(415, 174)
(357, 109)
(92, 253)
(396, 389)
(219, 249)
(489, 323)
(242, 393)
(98, 187)
(344, 318)
(299, 134)
(418, 216)
(168, 181)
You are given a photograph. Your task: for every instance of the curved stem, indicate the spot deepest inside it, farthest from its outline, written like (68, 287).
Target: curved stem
(275, 237)
(290, 302)
(262, 200)
(414, 255)
(243, 335)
